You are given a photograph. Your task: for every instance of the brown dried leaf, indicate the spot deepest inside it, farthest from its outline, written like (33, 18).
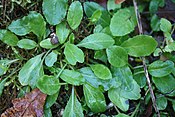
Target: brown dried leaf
(29, 106)
(119, 1)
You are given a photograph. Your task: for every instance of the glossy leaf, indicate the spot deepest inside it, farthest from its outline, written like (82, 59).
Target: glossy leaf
(46, 43)
(62, 32)
(134, 94)
(141, 45)
(72, 77)
(120, 102)
(161, 102)
(55, 10)
(73, 107)
(90, 78)
(165, 84)
(50, 59)
(51, 99)
(8, 38)
(101, 71)
(97, 41)
(73, 54)
(124, 75)
(47, 112)
(117, 56)
(94, 98)
(27, 24)
(140, 78)
(165, 25)
(95, 16)
(75, 14)
(121, 24)
(48, 84)
(27, 44)
(160, 68)
(31, 71)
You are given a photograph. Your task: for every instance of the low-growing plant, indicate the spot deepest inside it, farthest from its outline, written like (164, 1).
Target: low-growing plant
(96, 54)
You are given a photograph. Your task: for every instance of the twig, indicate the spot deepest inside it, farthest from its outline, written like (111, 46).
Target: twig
(143, 58)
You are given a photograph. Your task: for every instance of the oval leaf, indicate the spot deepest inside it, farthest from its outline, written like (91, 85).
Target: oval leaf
(27, 44)
(31, 71)
(160, 68)
(101, 71)
(73, 107)
(62, 32)
(8, 38)
(97, 41)
(141, 45)
(73, 54)
(47, 44)
(72, 77)
(94, 98)
(120, 102)
(34, 22)
(48, 84)
(75, 14)
(50, 59)
(51, 99)
(117, 56)
(121, 23)
(54, 10)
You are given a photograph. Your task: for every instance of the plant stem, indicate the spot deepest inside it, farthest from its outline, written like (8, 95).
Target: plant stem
(144, 63)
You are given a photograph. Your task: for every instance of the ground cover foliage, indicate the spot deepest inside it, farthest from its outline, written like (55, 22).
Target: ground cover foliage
(70, 58)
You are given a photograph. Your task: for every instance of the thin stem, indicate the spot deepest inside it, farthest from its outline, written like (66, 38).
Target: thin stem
(144, 63)
(61, 71)
(137, 107)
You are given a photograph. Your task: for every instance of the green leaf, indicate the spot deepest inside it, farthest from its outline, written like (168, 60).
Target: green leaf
(31, 71)
(165, 25)
(2, 83)
(111, 6)
(73, 54)
(154, 5)
(140, 45)
(161, 102)
(121, 23)
(90, 78)
(134, 94)
(100, 55)
(47, 112)
(50, 59)
(95, 16)
(62, 32)
(48, 84)
(51, 99)
(155, 23)
(124, 75)
(27, 44)
(117, 56)
(75, 14)
(160, 68)
(173, 102)
(34, 22)
(97, 41)
(121, 115)
(165, 84)
(101, 71)
(72, 77)
(73, 107)
(94, 98)
(54, 10)
(120, 102)
(47, 44)
(91, 7)
(139, 77)
(8, 38)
